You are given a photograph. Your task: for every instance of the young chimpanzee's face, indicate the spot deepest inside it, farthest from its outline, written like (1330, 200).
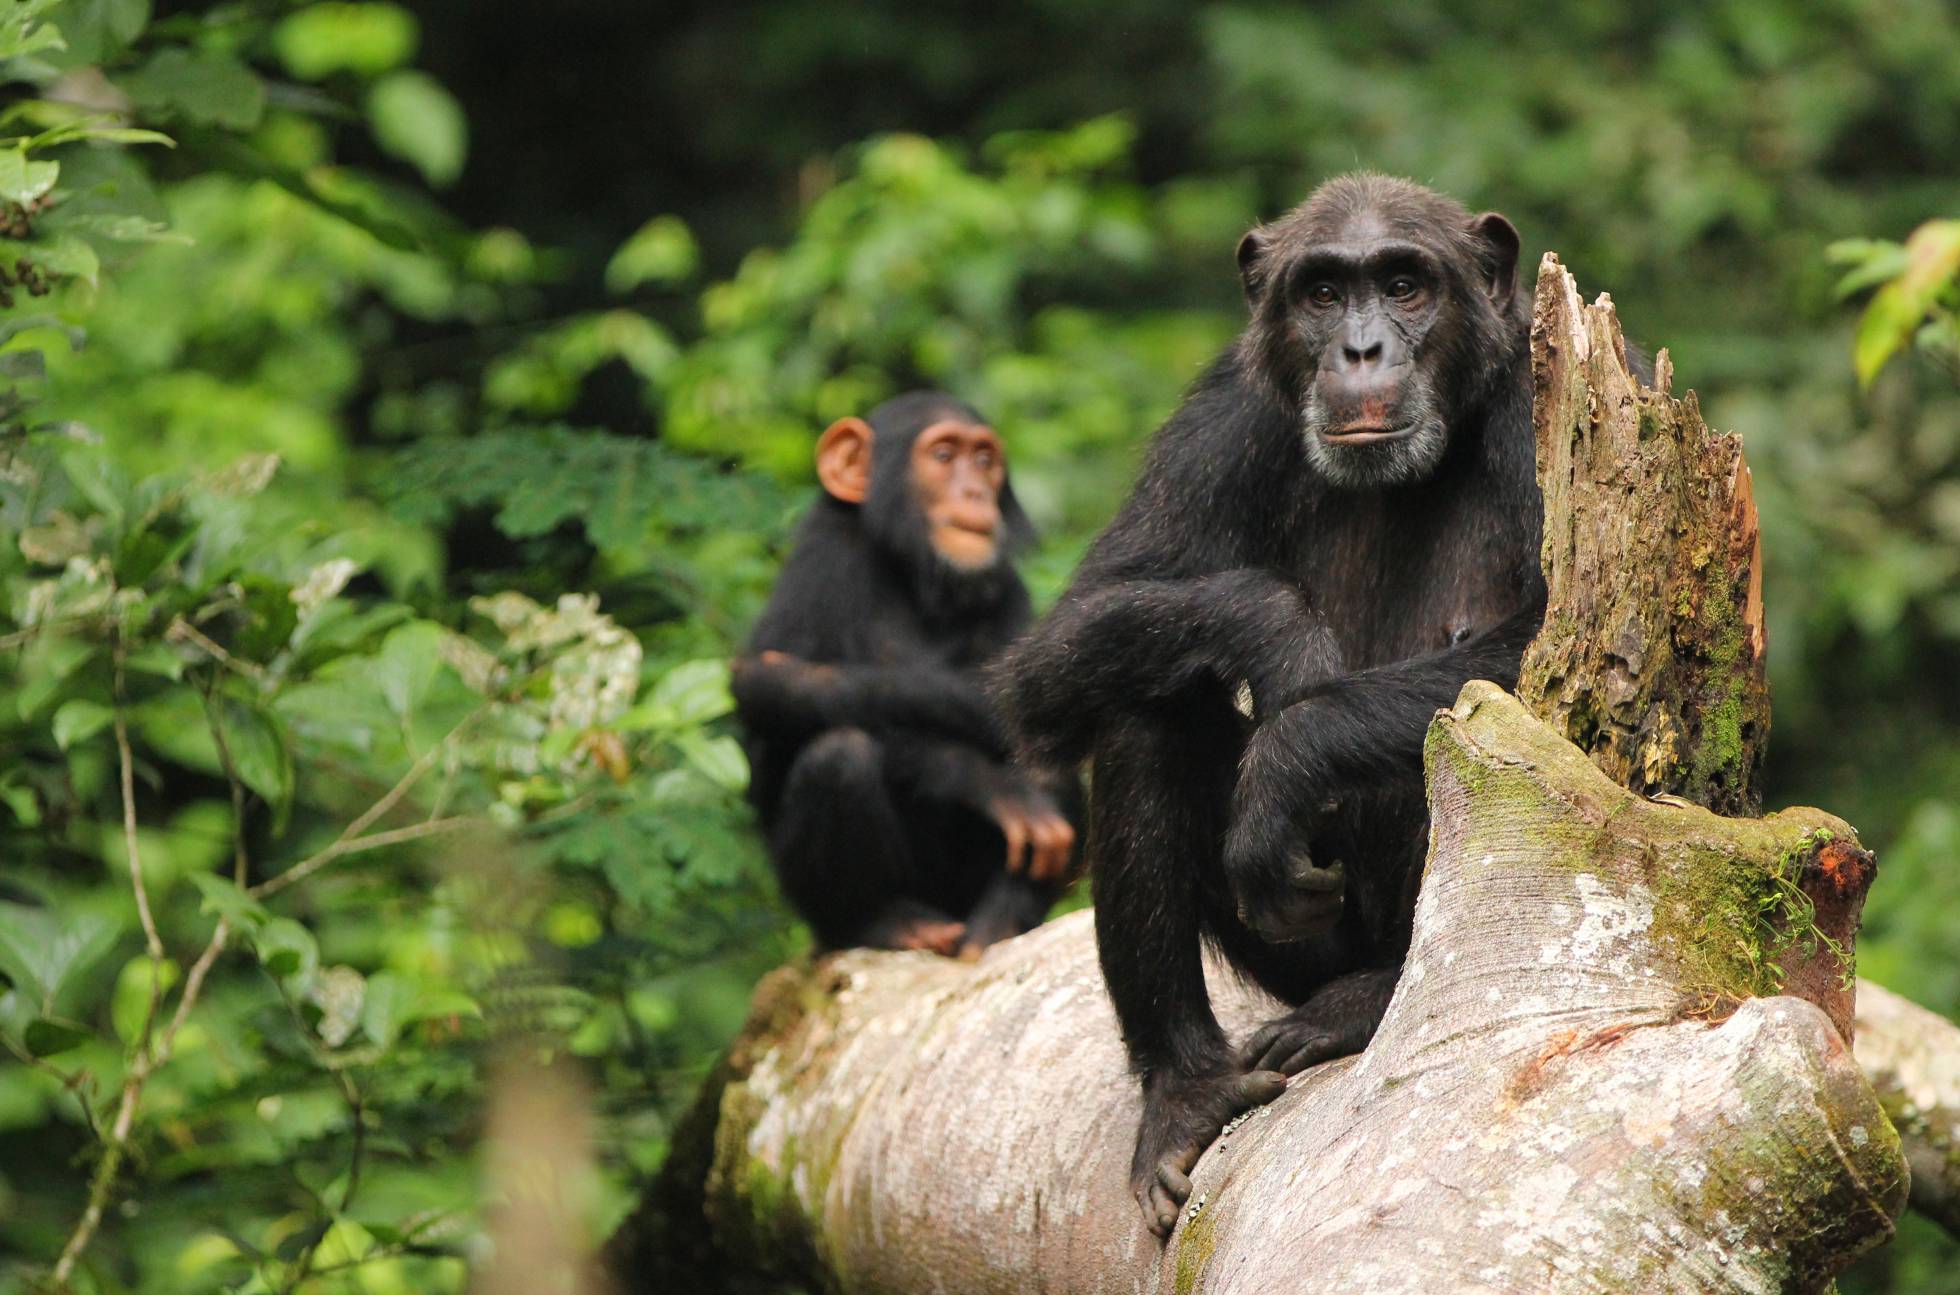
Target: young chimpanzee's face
(957, 470)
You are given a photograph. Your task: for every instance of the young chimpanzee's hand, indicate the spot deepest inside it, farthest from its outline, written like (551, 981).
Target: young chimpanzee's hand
(1040, 838)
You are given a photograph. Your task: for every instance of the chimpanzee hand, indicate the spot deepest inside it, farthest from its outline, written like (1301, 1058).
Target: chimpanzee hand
(1283, 893)
(1039, 837)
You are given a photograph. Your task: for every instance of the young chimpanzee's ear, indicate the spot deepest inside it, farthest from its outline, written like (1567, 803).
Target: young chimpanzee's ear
(1500, 255)
(1252, 268)
(844, 460)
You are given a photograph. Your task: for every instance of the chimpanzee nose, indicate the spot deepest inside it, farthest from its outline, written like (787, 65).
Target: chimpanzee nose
(1369, 354)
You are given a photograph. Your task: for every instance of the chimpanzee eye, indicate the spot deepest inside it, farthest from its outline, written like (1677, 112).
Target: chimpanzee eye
(985, 458)
(1323, 294)
(942, 454)
(1401, 287)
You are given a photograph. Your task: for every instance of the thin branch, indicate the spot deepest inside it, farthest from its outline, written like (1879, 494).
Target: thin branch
(350, 839)
(342, 847)
(182, 631)
(127, 760)
(193, 985)
(240, 861)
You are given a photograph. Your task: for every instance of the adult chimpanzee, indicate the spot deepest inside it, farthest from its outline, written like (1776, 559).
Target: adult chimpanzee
(1335, 532)
(876, 762)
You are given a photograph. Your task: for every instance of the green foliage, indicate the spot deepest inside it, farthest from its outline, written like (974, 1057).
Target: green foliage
(1918, 297)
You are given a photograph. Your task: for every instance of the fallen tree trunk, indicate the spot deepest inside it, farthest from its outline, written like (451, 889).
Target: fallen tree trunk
(1617, 1059)
(1912, 1057)
(1574, 1087)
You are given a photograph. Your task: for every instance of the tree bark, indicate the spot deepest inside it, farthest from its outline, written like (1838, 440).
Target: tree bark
(1651, 659)
(1912, 1057)
(1616, 1060)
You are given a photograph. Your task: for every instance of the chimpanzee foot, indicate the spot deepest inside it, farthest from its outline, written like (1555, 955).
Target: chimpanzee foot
(906, 925)
(1181, 1117)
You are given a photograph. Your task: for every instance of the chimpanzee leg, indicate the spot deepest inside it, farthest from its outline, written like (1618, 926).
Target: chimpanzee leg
(841, 853)
(1163, 787)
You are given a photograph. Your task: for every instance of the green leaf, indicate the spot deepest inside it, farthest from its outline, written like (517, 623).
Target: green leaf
(23, 181)
(40, 950)
(12, 328)
(209, 88)
(387, 1007)
(223, 897)
(1897, 309)
(159, 659)
(407, 665)
(694, 692)
(719, 759)
(259, 752)
(68, 256)
(45, 1036)
(417, 120)
(21, 801)
(365, 39)
(129, 1002)
(286, 948)
(22, 34)
(80, 720)
(95, 30)
(98, 479)
(661, 251)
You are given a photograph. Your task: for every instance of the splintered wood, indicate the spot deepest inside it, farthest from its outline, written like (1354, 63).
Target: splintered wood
(1652, 656)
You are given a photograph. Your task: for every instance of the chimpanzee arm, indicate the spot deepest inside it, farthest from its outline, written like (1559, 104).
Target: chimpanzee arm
(789, 696)
(1181, 588)
(1032, 811)
(1361, 730)
(1111, 649)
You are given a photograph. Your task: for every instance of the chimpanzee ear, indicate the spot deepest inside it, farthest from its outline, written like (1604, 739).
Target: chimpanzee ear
(844, 460)
(1252, 268)
(1500, 249)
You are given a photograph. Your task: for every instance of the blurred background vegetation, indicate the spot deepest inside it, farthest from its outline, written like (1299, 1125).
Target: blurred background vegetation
(405, 405)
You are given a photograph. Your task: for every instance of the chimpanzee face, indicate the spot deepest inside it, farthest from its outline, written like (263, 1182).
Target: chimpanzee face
(1371, 314)
(1365, 307)
(931, 479)
(957, 473)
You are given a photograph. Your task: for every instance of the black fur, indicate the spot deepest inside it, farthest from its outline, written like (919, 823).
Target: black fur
(875, 758)
(1350, 615)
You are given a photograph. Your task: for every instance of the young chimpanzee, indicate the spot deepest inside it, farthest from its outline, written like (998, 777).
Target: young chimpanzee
(877, 765)
(1335, 532)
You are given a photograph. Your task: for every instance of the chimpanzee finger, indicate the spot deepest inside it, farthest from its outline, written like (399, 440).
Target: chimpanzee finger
(1272, 1056)
(1258, 1049)
(1051, 849)
(1016, 833)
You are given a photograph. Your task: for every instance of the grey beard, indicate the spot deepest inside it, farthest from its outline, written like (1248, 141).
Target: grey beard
(1387, 463)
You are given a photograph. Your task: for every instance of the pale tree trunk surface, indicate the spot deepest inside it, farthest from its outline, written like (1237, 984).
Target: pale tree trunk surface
(1616, 1060)
(1912, 1057)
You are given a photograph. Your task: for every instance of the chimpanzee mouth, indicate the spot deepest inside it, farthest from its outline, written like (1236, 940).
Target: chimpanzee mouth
(1366, 433)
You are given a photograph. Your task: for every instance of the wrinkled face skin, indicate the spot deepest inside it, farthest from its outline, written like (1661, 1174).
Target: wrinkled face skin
(957, 473)
(1365, 305)
(1376, 315)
